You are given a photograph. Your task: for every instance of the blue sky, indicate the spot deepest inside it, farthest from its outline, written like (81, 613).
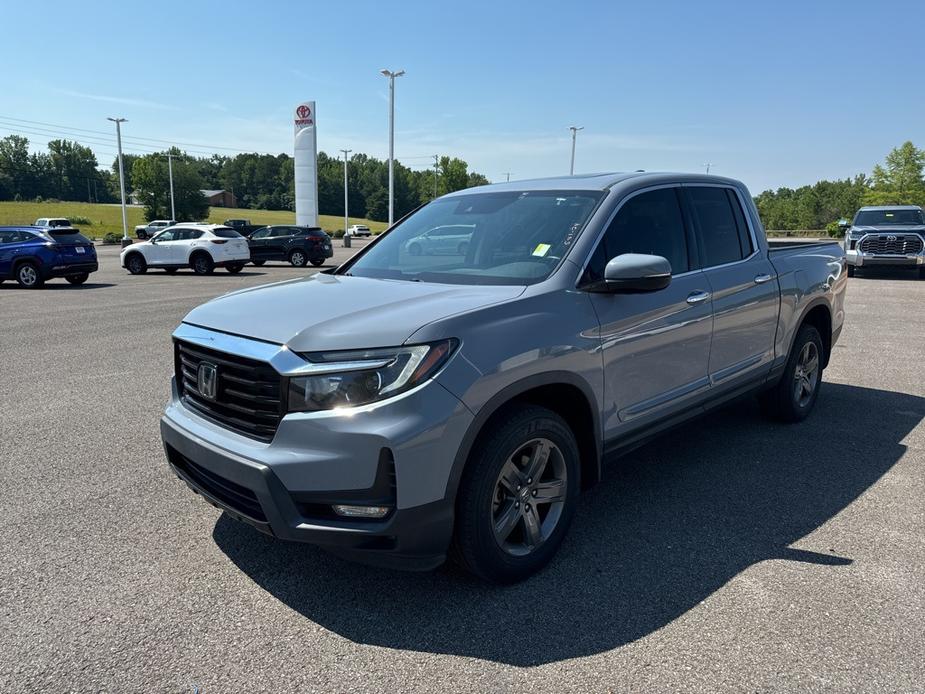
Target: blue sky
(773, 93)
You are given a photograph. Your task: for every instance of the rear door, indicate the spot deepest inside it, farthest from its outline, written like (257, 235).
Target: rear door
(746, 297)
(656, 345)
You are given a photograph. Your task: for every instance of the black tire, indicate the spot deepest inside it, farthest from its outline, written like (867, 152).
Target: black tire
(136, 264)
(851, 271)
(298, 257)
(792, 399)
(28, 276)
(171, 270)
(78, 279)
(415, 249)
(318, 262)
(258, 263)
(484, 501)
(235, 268)
(202, 263)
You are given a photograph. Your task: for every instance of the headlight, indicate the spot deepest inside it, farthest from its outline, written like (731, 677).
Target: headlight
(359, 377)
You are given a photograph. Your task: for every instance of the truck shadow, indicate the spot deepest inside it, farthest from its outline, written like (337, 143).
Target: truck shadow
(670, 524)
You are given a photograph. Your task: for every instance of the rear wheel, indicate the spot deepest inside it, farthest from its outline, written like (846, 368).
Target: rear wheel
(792, 399)
(202, 264)
(135, 263)
(28, 276)
(78, 279)
(298, 258)
(318, 262)
(258, 263)
(517, 496)
(235, 269)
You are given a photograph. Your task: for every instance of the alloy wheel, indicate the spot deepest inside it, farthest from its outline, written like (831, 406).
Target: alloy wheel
(529, 497)
(806, 374)
(28, 276)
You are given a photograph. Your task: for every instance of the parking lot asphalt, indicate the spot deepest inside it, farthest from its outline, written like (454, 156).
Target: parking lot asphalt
(732, 554)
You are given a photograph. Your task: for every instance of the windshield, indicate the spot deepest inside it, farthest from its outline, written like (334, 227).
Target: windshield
(876, 218)
(515, 237)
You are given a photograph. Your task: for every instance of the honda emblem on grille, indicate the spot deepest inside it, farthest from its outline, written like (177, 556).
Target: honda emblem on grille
(890, 238)
(207, 380)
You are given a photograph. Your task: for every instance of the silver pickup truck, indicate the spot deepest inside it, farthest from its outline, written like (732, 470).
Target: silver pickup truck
(886, 236)
(406, 405)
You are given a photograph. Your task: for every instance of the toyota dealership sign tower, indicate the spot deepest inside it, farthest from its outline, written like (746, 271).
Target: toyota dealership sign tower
(306, 165)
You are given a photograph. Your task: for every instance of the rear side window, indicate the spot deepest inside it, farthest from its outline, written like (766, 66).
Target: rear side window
(721, 236)
(225, 233)
(8, 237)
(649, 223)
(188, 234)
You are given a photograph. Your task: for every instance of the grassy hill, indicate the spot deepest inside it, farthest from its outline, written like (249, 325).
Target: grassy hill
(104, 218)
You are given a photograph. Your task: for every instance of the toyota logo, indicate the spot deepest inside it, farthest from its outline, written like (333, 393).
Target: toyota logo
(303, 111)
(891, 238)
(207, 380)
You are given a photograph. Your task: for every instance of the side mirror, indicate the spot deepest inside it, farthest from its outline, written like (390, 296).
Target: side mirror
(844, 224)
(635, 272)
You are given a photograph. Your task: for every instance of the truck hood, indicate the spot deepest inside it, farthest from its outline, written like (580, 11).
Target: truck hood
(890, 229)
(333, 312)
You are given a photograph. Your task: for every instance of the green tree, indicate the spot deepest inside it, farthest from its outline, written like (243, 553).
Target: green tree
(900, 177)
(152, 185)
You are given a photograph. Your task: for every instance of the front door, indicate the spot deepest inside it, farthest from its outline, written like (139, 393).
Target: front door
(746, 297)
(656, 345)
(162, 248)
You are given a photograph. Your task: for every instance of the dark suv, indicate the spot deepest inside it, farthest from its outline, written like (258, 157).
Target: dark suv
(31, 255)
(298, 245)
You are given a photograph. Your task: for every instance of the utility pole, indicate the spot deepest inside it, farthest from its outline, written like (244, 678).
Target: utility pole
(508, 174)
(708, 165)
(119, 122)
(173, 212)
(436, 165)
(574, 129)
(346, 215)
(391, 75)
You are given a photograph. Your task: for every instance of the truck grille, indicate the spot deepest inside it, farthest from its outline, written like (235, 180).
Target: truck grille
(892, 244)
(248, 393)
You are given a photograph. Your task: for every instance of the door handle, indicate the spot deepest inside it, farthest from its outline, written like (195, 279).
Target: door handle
(761, 279)
(697, 297)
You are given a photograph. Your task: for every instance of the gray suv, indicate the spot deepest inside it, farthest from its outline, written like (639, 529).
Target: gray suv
(408, 404)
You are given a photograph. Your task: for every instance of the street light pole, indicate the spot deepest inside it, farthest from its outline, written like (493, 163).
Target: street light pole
(436, 164)
(391, 75)
(173, 212)
(508, 174)
(118, 122)
(346, 215)
(574, 129)
(708, 165)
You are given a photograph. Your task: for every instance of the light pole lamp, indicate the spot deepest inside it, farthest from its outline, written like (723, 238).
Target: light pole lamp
(346, 215)
(119, 122)
(391, 75)
(574, 129)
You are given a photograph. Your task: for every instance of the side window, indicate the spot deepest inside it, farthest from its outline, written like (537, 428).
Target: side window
(8, 237)
(648, 223)
(261, 233)
(191, 234)
(745, 237)
(169, 235)
(718, 232)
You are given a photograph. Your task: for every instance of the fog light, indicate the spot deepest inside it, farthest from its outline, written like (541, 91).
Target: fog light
(361, 511)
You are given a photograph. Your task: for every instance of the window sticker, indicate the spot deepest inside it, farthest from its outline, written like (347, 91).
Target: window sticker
(541, 249)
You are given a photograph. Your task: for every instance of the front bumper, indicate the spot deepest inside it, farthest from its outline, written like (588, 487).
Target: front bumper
(858, 259)
(285, 488)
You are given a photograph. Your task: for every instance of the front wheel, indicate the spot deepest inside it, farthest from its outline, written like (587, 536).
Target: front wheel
(517, 496)
(235, 269)
(78, 279)
(28, 276)
(135, 264)
(792, 399)
(851, 271)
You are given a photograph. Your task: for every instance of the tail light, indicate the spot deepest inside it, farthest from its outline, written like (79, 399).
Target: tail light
(219, 240)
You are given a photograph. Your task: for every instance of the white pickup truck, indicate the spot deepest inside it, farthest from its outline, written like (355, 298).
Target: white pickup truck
(146, 231)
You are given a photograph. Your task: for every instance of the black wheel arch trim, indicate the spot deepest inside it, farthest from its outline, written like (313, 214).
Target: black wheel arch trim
(509, 394)
(826, 340)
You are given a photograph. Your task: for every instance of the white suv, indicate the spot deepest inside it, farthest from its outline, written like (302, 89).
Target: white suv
(359, 230)
(202, 247)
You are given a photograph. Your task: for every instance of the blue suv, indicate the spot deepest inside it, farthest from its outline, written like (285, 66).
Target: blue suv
(31, 255)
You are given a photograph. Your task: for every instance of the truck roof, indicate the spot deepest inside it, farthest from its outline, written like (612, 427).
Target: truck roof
(599, 181)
